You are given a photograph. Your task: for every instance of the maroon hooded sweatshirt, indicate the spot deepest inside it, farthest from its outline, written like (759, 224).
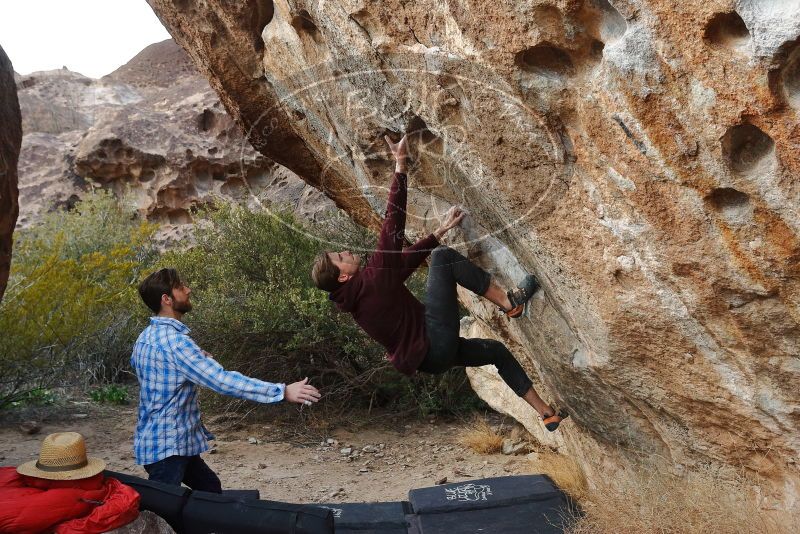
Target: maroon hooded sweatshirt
(376, 296)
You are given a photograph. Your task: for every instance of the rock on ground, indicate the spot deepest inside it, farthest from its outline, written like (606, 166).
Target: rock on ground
(639, 156)
(146, 523)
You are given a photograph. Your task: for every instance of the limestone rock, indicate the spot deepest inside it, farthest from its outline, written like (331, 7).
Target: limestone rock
(639, 156)
(511, 447)
(154, 130)
(58, 101)
(30, 427)
(10, 140)
(146, 523)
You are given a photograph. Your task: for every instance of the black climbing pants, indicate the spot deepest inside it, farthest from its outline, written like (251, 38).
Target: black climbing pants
(447, 349)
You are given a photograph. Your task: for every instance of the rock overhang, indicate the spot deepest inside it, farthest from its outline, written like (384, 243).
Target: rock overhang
(638, 156)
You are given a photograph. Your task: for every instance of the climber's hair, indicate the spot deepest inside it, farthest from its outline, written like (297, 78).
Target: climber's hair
(324, 273)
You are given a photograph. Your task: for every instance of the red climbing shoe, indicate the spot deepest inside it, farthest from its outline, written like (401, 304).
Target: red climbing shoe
(551, 422)
(520, 296)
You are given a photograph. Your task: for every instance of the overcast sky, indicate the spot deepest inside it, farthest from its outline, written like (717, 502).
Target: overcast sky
(92, 37)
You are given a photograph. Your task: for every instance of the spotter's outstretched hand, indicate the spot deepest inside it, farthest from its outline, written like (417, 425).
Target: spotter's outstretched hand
(301, 392)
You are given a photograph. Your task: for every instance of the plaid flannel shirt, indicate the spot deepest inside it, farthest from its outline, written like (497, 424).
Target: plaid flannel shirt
(170, 366)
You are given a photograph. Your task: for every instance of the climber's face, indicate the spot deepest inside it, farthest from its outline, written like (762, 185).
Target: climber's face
(347, 262)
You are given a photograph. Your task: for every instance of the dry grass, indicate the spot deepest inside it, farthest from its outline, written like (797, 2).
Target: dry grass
(650, 500)
(481, 437)
(565, 472)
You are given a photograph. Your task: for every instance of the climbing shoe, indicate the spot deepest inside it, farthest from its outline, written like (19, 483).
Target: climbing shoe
(551, 422)
(520, 296)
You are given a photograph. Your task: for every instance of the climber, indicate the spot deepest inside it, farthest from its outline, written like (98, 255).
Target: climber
(169, 434)
(424, 338)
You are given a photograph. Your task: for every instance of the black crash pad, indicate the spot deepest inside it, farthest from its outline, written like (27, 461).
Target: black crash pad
(539, 517)
(243, 494)
(528, 504)
(393, 530)
(233, 511)
(369, 516)
(207, 513)
(483, 493)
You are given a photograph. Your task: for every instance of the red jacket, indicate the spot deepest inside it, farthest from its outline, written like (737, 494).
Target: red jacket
(30, 505)
(377, 297)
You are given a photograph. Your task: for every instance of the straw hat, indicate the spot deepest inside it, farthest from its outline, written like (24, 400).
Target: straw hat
(62, 457)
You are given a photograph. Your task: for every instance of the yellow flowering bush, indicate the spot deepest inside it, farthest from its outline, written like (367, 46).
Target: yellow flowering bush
(70, 309)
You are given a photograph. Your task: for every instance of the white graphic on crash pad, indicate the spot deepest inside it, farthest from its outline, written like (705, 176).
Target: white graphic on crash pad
(468, 492)
(337, 512)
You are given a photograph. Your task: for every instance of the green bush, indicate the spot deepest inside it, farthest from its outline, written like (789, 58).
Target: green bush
(255, 308)
(110, 394)
(67, 311)
(36, 397)
(71, 312)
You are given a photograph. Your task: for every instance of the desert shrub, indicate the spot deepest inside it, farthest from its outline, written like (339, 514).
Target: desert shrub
(66, 315)
(257, 311)
(446, 393)
(110, 394)
(36, 397)
(254, 308)
(565, 471)
(481, 437)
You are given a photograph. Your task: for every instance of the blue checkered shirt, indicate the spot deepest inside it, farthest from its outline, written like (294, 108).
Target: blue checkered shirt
(170, 366)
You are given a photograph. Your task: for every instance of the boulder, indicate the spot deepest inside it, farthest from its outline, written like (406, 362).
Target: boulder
(10, 140)
(639, 156)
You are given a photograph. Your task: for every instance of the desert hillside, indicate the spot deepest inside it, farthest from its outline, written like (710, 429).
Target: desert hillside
(153, 129)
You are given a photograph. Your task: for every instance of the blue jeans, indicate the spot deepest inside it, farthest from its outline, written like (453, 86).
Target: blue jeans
(191, 470)
(447, 349)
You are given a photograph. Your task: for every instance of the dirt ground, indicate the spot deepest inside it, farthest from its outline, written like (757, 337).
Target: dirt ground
(382, 463)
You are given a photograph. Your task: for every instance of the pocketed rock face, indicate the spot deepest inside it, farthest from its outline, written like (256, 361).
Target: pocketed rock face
(10, 140)
(153, 129)
(640, 157)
